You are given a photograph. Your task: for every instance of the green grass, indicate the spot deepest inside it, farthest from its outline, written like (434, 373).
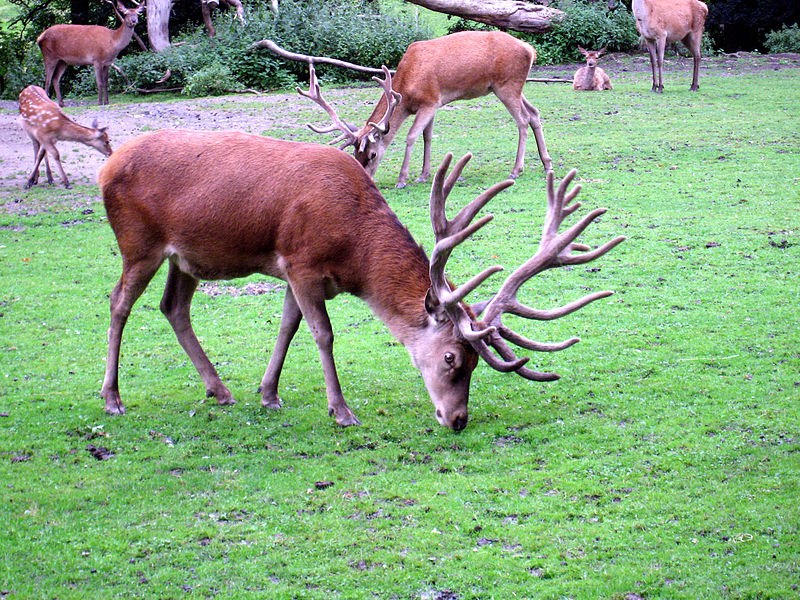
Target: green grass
(662, 465)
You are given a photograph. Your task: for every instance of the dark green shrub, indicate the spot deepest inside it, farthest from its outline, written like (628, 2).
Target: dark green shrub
(786, 39)
(344, 29)
(588, 24)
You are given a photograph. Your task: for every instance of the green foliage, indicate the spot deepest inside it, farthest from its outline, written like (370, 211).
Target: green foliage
(588, 24)
(786, 39)
(210, 81)
(337, 29)
(20, 63)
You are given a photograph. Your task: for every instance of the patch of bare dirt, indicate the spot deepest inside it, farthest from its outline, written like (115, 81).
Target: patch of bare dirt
(271, 113)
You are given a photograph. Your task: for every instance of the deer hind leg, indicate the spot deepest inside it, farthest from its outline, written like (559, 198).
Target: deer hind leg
(290, 320)
(525, 115)
(423, 124)
(58, 73)
(134, 280)
(311, 300)
(33, 178)
(175, 304)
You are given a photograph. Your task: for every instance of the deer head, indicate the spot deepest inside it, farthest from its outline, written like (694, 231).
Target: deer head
(448, 368)
(592, 56)
(368, 142)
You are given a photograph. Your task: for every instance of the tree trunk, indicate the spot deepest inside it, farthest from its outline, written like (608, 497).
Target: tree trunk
(517, 15)
(158, 23)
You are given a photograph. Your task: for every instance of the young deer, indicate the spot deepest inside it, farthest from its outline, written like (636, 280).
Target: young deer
(310, 215)
(63, 45)
(591, 77)
(432, 73)
(662, 21)
(45, 123)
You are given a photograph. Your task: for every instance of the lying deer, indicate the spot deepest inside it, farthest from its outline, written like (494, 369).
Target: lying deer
(591, 77)
(45, 123)
(310, 215)
(431, 74)
(63, 45)
(662, 21)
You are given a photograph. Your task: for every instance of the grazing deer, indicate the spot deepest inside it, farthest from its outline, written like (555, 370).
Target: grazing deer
(432, 73)
(662, 21)
(45, 123)
(591, 77)
(310, 215)
(63, 45)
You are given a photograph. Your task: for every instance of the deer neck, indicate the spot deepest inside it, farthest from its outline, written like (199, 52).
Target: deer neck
(121, 37)
(72, 132)
(397, 279)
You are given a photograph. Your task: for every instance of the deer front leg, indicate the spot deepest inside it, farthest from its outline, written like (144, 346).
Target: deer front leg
(311, 300)
(290, 320)
(538, 134)
(661, 46)
(421, 121)
(175, 304)
(427, 135)
(133, 282)
(53, 151)
(101, 76)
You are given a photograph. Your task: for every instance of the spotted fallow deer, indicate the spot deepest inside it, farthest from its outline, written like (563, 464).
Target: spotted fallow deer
(432, 73)
(67, 44)
(662, 21)
(45, 123)
(591, 77)
(310, 215)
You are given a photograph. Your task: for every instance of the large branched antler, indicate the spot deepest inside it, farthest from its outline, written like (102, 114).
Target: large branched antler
(349, 133)
(555, 249)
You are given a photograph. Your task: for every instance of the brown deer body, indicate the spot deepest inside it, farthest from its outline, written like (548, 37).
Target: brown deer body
(65, 44)
(591, 77)
(433, 73)
(45, 123)
(304, 213)
(662, 21)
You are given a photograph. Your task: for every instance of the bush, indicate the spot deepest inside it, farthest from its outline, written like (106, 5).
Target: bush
(342, 29)
(786, 39)
(588, 24)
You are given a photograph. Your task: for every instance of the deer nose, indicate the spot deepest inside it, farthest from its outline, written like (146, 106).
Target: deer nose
(459, 422)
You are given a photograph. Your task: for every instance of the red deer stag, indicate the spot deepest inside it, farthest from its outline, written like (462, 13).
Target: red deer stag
(432, 73)
(63, 45)
(310, 215)
(662, 21)
(591, 77)
(45, 123)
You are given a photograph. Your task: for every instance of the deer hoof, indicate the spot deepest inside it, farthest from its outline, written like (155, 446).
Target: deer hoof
(400, 185)
(114, 406)
(345, 420)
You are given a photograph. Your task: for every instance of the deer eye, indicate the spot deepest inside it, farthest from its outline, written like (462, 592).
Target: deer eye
(449, 358)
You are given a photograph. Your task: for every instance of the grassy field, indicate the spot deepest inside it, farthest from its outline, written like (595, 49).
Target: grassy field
(664, 463)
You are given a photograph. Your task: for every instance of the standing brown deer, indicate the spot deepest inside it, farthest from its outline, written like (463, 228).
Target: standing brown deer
(65, 44)
(310, 215)
(591, 77)
(432, 73)
(45, 123)
(662, 21)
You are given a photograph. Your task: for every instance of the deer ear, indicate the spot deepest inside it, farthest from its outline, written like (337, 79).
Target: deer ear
(94, 123)
(599, 52)
(582, 50)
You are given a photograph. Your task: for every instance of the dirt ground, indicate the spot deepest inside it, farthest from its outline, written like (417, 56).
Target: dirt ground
(260, 113)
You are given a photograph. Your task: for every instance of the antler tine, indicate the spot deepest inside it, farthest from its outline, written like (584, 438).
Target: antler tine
(315, 94)
(392, 100)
